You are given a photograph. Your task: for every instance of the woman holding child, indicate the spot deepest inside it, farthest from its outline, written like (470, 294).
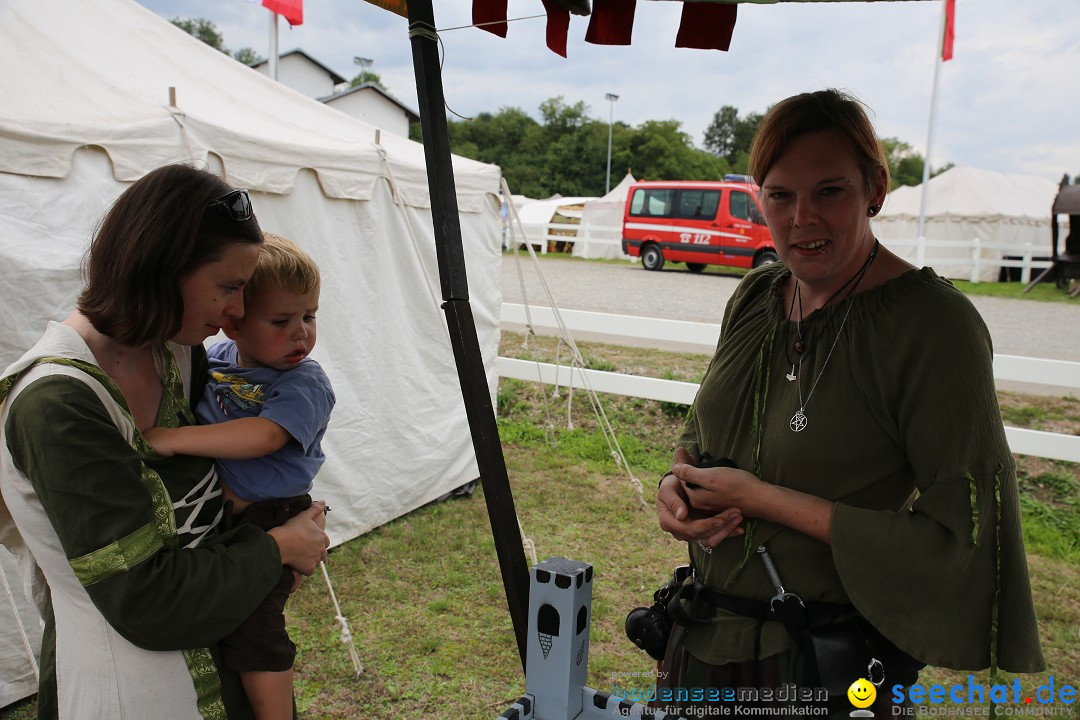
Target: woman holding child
(855, 394)
(140, 585)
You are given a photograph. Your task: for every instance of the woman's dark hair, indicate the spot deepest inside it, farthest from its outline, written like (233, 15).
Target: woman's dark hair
(813, 112)
(158, 232)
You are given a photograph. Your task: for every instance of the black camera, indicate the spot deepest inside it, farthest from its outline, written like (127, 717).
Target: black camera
(649, 628)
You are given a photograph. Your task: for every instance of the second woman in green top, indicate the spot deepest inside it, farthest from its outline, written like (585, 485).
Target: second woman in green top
(856, 394)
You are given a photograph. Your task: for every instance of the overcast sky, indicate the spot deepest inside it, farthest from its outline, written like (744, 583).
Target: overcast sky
(1008, 101)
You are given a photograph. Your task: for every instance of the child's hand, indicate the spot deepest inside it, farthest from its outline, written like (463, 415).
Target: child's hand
(158, 437)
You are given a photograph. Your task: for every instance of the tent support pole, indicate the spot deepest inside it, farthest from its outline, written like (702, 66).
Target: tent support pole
(459, 318)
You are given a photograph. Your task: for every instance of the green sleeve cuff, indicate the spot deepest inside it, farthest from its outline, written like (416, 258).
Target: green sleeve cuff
(117, 557)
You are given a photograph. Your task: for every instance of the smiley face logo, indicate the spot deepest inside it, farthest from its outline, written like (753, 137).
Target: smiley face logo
(862, 693)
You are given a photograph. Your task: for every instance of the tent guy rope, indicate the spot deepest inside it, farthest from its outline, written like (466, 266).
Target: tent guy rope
(577, 360)
(22, 628)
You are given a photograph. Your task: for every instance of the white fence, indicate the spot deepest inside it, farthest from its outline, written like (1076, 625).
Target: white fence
(704, 336)
(540, 235)
(972, 256)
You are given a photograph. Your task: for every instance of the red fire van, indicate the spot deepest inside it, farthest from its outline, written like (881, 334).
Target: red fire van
(699, 223)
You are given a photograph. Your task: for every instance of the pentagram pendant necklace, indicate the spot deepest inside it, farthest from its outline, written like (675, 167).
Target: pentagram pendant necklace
(799, 420)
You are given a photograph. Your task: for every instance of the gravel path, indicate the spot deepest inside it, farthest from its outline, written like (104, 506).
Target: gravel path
(1018, 327)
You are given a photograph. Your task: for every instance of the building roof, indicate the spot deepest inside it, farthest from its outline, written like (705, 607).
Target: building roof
(413, 115)
(297, 51)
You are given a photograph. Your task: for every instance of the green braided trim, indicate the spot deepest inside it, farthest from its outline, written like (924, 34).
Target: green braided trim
(116, 557)
(974, 500)
(160, 503)
(994, 609)
(204, 676)
(175, 400)
(761, 391)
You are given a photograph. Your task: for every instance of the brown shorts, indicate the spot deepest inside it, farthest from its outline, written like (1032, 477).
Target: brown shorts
(261, 642)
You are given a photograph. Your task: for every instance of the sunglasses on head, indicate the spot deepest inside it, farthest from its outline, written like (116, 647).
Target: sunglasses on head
(236, 205)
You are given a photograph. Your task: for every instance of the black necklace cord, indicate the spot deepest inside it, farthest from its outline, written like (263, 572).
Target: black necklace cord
(851, 286)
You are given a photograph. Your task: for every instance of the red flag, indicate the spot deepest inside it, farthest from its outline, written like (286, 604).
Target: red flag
(706, 25)
(292, 10)
(490, 15)
(950, 20)
(558, 26)
(611, 23)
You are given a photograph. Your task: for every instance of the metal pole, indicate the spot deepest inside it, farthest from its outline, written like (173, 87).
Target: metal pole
(920, 251)
(611, 97)
(459, 319)
(273, 46)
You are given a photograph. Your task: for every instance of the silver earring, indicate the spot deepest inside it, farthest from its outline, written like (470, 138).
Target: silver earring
(791, 223)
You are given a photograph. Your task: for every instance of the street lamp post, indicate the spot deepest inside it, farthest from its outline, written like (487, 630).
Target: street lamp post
(611, 98)
(364, 64)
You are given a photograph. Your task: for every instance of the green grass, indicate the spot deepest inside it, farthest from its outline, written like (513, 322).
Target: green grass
(1043, 292)
(423, 593)
(1050, 502)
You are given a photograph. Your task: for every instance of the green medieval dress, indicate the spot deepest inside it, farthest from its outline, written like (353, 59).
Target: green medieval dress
(904, 434)
(141, 586)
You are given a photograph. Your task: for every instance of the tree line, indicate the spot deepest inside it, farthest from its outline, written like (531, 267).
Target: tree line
(565, 151)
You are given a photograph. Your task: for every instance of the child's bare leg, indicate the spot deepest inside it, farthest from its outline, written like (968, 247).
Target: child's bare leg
(270, 693)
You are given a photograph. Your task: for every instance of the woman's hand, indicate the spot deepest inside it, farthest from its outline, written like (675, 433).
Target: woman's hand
(302, 541)
(717, 488)
(714, 489)
(680, 517)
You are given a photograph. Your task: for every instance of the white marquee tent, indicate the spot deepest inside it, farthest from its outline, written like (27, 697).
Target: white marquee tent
(86, 110)
(537, 216)
(600, 230)
(965, 203)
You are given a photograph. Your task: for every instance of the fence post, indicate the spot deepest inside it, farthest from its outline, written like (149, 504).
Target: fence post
(975, 257)
(1025, 270)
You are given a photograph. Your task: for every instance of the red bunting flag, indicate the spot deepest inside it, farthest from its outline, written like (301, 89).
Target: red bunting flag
(291, 10)
(611, 23)
(490, 15)
(558, 26)
(950, 20)
(706, 25)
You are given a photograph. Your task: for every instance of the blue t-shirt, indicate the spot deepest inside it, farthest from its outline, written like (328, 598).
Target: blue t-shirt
(299, 400)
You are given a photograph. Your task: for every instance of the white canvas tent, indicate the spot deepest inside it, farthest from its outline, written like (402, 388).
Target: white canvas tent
(965, 203)
(86, 110)
(537, 215)
(600, 229)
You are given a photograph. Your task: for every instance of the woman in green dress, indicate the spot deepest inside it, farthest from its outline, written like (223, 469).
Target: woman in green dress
(140, 585)
(854, 393)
